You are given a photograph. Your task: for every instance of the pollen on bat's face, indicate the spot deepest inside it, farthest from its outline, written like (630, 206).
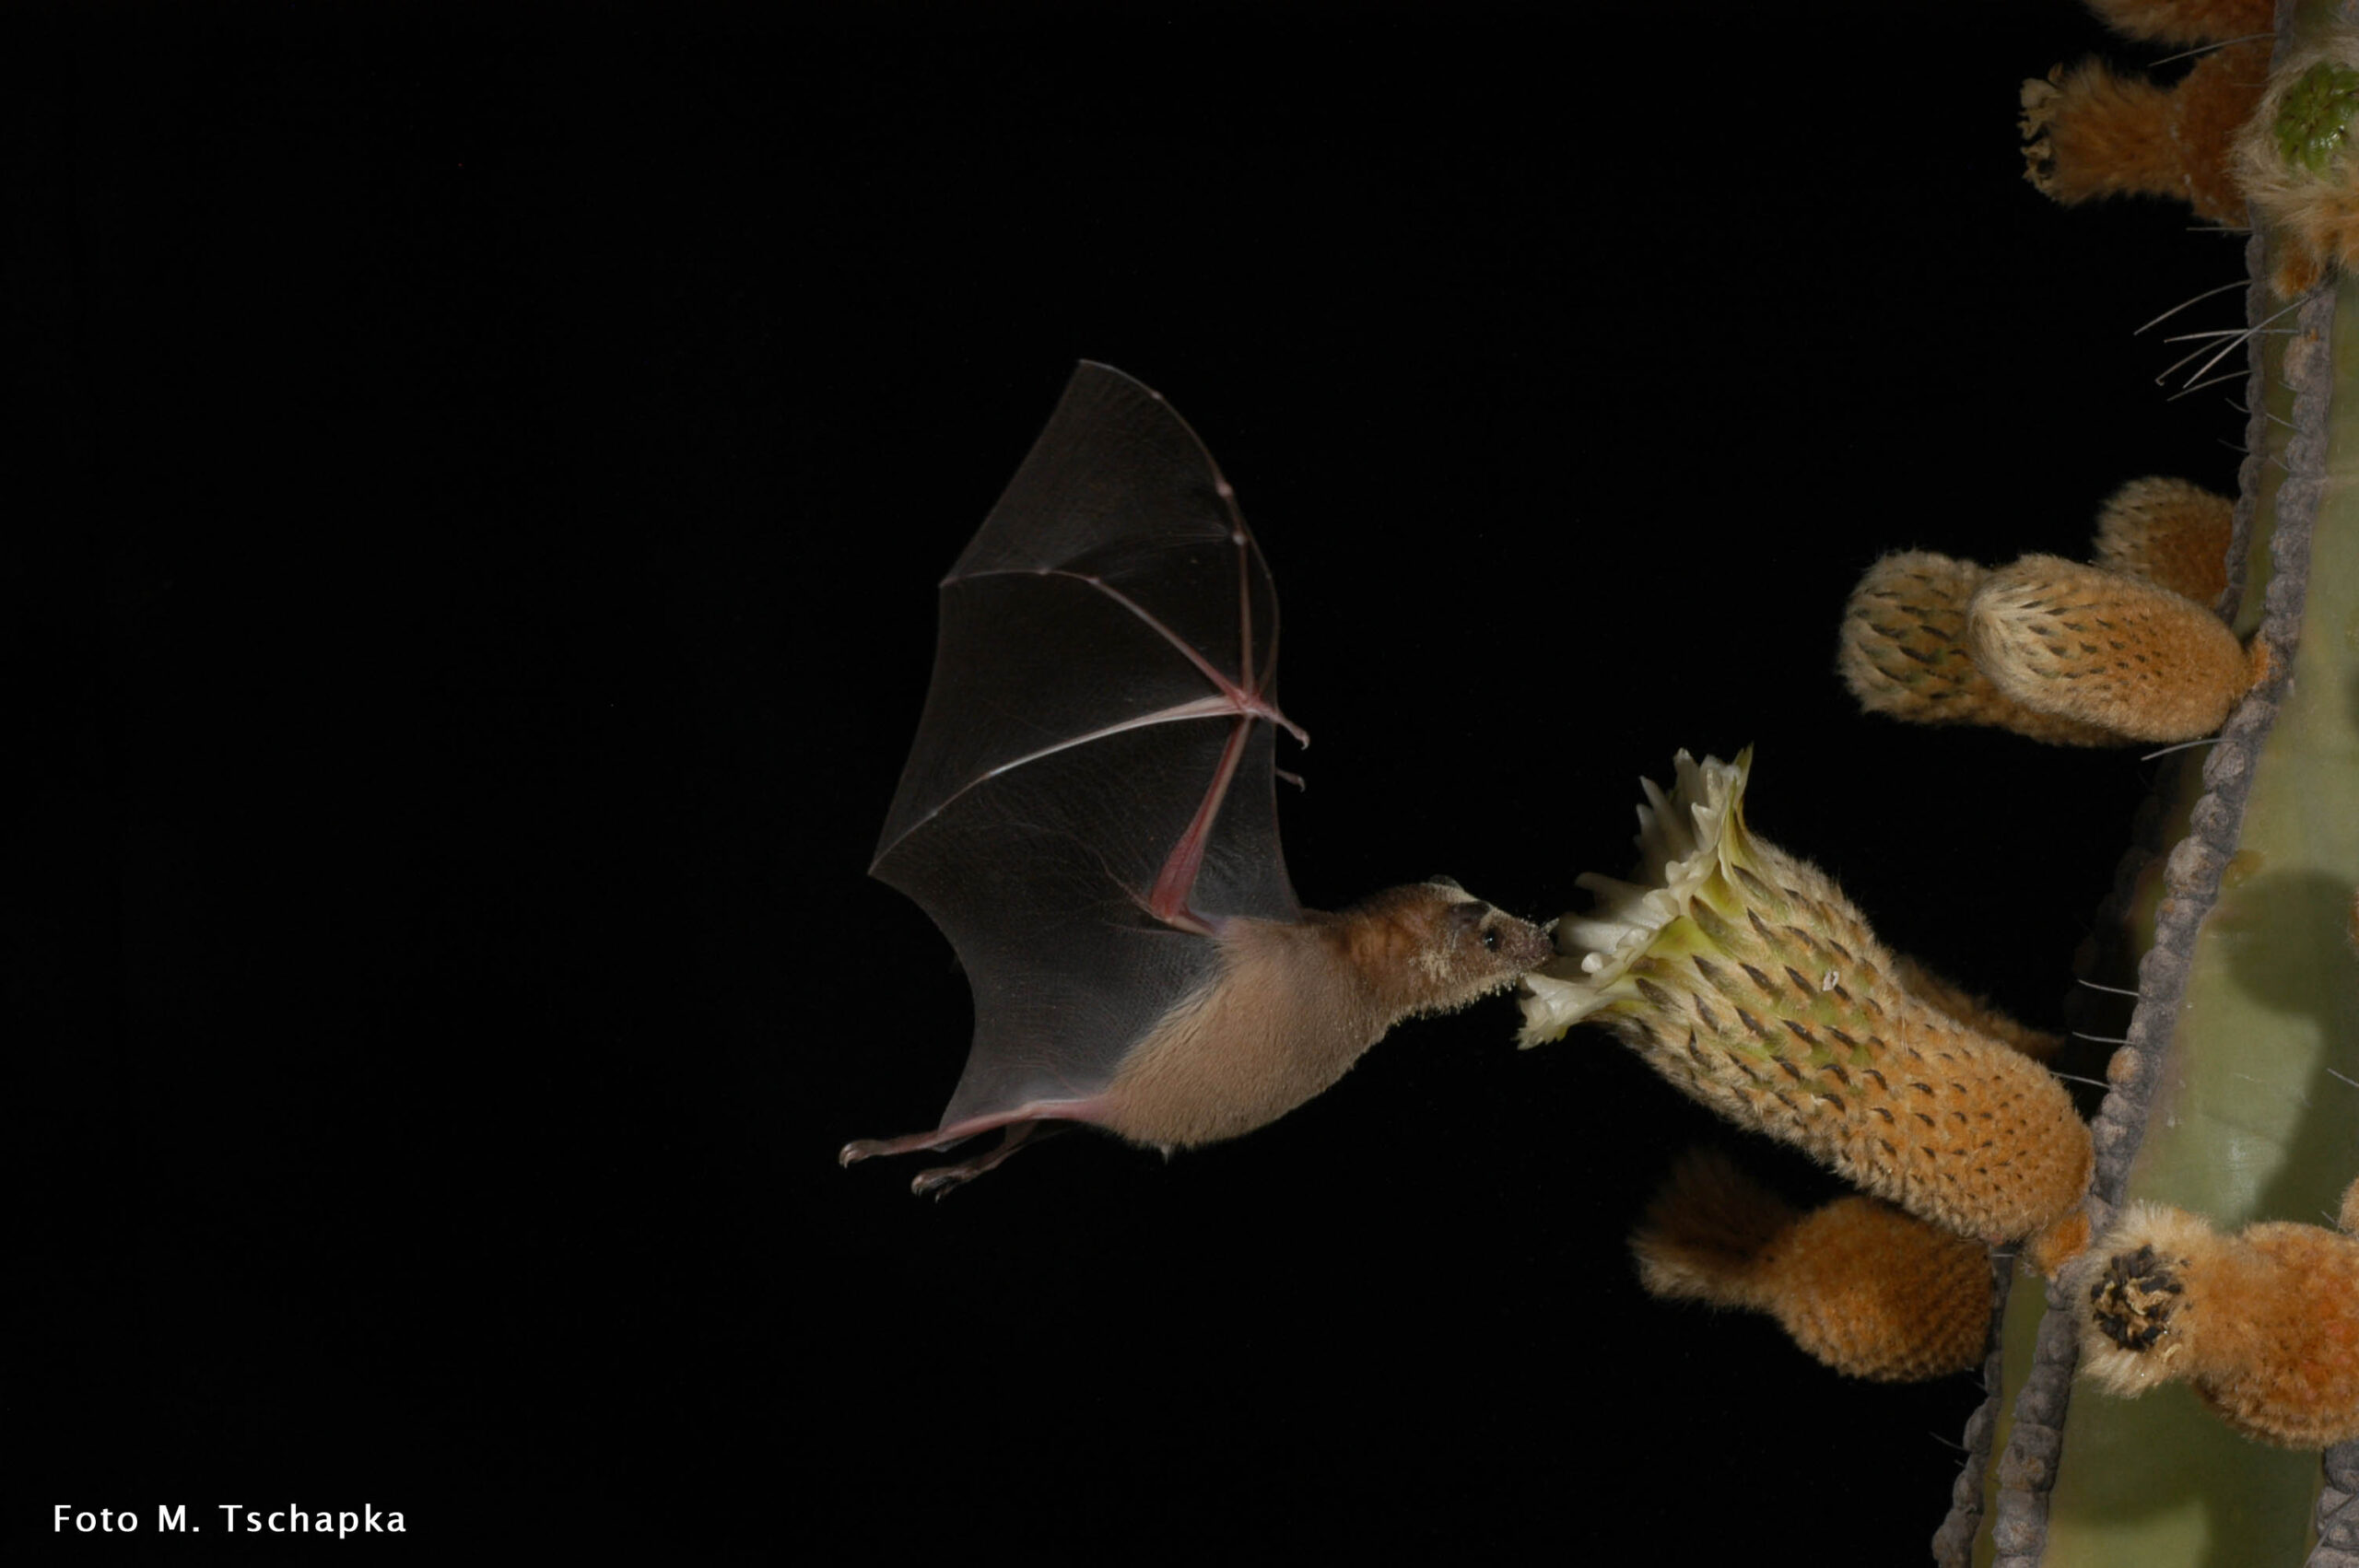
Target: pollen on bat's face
(1470, 950)
(1515, 945)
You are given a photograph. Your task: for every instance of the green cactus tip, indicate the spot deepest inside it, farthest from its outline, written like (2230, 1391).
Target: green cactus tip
(2317, 114)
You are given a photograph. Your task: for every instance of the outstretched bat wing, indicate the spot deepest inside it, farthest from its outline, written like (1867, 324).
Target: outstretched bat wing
(1090, 792)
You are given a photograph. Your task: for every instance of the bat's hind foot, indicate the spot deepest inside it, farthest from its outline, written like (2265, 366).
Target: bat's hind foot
(941, 1180)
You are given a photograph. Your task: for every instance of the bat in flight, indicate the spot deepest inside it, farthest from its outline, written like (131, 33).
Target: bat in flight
(1089, 812)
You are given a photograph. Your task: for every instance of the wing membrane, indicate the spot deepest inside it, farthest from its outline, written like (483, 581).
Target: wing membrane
(1100, 720)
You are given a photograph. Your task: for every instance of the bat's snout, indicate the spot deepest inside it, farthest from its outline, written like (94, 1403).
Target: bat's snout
(1523, 944)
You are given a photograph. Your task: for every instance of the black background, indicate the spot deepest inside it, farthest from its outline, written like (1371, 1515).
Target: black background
(477, 486)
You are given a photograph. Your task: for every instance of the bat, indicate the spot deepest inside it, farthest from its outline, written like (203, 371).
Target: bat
(1089, 812)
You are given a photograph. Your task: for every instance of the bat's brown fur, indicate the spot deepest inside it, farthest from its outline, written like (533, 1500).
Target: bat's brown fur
(1138, 957)
(1295, 1005)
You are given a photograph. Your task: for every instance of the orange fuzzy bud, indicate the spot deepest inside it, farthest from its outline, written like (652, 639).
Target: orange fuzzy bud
(2092, 131)
(2263, 1324)
(1905, 652)
(2187, 21)
(2105, 649)
(1859, 1284)
(2170, 533)
(1746, 978)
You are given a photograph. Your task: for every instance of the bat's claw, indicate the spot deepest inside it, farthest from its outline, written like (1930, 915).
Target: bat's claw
(941, 1178)
(941, 1181)
(860, 1149)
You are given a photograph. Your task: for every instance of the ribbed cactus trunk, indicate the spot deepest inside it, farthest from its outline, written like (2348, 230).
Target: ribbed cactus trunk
(2236, 1093)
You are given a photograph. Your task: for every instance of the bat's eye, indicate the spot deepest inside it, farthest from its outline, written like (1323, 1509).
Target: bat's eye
(1490, 941)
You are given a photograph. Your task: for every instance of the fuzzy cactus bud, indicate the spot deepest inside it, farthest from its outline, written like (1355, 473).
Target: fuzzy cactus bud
(2105, 649)
(1745, 976)
(1905, 652)
(2093, 132)
(1871, 1292)
(2169, 532)
(2293, 160)
(2263, 1324)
